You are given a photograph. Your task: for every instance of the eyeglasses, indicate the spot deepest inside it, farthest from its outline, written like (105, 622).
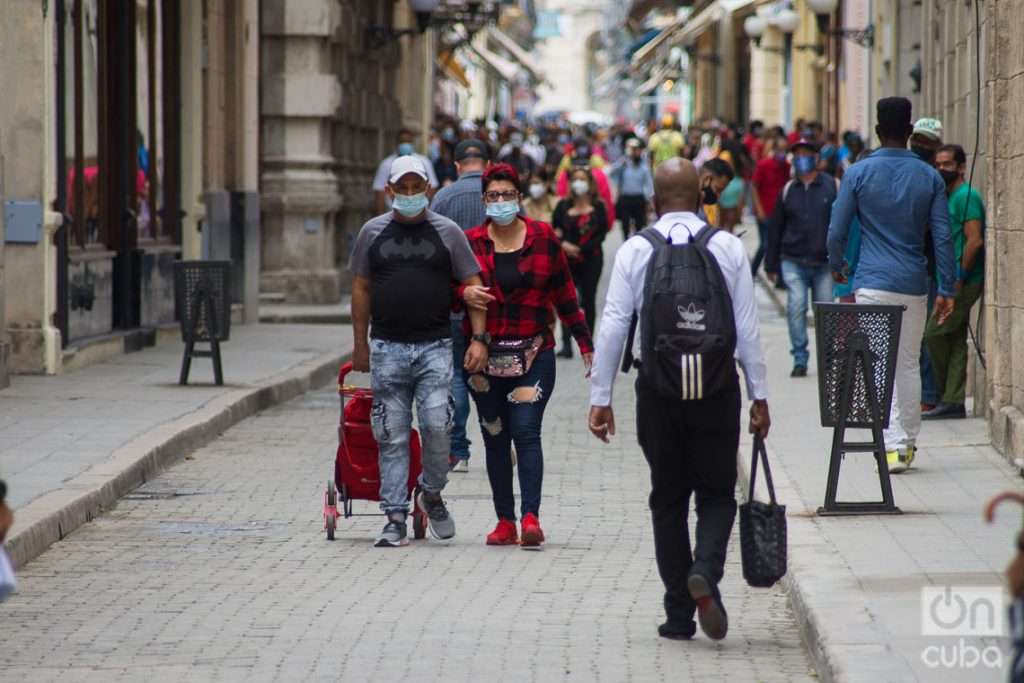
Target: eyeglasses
(506, 196)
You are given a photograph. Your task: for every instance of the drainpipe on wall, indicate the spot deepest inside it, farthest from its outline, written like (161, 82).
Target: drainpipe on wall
(53, 354)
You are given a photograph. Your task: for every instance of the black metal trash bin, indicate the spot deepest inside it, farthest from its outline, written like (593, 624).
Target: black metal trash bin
(856, 351)
(202, 295)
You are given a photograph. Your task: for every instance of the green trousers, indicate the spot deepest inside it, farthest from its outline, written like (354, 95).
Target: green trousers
(947, 346)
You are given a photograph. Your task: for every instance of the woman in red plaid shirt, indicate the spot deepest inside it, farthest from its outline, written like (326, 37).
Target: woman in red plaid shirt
(525, 273)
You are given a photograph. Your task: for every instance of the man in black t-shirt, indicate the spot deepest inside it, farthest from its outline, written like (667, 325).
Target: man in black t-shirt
(405, 264)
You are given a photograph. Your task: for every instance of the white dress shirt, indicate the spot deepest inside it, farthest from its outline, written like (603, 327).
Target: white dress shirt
(626, 291)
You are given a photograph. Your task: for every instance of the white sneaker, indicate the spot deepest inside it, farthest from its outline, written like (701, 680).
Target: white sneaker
(462, 466)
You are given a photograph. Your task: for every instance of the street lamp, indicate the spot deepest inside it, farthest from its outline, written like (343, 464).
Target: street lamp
(787, 21)
(378, 36)
(754, 27)
(823, 11)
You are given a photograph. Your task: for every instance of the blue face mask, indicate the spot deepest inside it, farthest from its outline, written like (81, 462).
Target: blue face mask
(405, 149)
(410, 205)
(805, 165)
(503, 213)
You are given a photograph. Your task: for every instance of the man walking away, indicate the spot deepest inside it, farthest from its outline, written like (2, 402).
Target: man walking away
(797, 236)
(462, 202)
(896, 198)
(404, 264)
(947, 343)
(406, 147)
(667, 142)
(688, 418)
(635, 184)
(771, 174)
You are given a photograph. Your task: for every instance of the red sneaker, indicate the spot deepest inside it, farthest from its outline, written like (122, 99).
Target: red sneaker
(503, 534)
(533, 536)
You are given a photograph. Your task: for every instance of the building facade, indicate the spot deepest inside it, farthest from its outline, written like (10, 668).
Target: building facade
(130, 116)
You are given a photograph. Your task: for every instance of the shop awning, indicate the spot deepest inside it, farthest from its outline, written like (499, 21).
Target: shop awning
(705, 18)
(658, 76)
(648, 51)
(500, 66)
(518, 53)
(452, 69)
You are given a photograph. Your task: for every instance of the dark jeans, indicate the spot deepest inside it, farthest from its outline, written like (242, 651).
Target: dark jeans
(586, 274)
(762, 245)
(930, 393)
(691, 448)
(632, 212)
(460, 439)
(506, 418)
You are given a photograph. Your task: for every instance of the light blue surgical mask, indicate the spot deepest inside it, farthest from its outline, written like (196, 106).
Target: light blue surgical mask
(410, 205)
(805, 165)
(405, 149)
(503, 213)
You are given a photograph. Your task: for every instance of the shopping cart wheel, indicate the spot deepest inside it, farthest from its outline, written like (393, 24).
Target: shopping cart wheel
(330, 517)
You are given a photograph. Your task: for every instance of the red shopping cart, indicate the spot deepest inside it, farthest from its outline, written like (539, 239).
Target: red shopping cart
(356, 464)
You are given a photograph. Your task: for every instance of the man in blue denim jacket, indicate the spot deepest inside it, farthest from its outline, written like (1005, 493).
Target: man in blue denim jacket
(896, 197)
(404, 265)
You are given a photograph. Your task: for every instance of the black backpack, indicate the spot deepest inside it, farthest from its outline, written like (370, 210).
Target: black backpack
(687, 327)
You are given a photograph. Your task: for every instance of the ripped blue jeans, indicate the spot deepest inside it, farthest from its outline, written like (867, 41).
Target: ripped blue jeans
(401, 375)
(511, 410)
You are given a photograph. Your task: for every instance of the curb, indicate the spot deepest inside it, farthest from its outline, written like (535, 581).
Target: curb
(808, 619)
(56, 514)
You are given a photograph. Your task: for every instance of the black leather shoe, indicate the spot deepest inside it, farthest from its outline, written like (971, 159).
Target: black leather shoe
(710, 610)
(566, 352)
(677, 630)
(945, 411)
(799, 371)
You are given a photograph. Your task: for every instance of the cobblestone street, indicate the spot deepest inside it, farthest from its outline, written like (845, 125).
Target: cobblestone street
(218, 570)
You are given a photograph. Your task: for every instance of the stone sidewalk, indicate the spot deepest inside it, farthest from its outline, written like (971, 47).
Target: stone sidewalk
(219, 570)
(856, 582)
(70, 445)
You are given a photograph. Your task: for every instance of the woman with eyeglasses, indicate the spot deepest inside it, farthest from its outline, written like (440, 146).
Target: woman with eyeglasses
(582, 221)
(525, 273)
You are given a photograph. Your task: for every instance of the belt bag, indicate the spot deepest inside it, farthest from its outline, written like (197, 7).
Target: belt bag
(512, 357)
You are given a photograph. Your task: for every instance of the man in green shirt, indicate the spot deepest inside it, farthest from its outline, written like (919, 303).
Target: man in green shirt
(947, 343)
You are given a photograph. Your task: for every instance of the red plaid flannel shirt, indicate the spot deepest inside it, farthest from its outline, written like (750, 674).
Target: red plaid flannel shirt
(526, 312)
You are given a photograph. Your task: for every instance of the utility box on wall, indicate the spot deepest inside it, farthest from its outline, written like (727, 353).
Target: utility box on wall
(23, 222)
(231, 232)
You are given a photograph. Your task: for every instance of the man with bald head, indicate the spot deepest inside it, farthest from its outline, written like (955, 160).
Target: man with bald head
(690, 444)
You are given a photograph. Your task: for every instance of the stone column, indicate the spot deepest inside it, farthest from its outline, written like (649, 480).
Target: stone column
(371, 113)
(1004, 288)
(301, 98)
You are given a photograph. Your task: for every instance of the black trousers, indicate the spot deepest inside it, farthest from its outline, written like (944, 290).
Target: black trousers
(632, 212)
(691, 448)
(586, 275)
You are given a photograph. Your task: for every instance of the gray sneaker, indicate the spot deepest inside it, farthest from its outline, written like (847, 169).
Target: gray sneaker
(394, 534)
(439, 521)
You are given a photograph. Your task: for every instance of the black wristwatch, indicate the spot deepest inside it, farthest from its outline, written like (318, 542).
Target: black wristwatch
(483, 338)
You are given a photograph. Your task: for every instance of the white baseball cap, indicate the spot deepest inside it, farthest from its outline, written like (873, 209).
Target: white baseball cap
(404, 165)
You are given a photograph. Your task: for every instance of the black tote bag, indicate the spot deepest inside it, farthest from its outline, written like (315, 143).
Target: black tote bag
(762, 529)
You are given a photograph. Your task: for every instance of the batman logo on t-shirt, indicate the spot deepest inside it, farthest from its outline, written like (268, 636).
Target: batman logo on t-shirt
(407, 249)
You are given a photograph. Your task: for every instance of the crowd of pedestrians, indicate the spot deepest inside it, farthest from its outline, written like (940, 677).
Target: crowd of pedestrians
(495, 234)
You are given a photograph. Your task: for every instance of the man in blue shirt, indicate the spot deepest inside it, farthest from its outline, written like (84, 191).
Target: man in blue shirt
(896, 197)
(463, 202)
(632, 177)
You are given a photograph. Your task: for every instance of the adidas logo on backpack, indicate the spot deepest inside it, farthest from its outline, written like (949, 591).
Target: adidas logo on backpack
(687, 330)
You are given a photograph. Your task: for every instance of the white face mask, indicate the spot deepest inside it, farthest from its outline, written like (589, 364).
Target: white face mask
(580, 187)
(537, 190)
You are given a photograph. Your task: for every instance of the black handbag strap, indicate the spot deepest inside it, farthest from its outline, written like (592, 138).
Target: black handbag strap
(760, 453)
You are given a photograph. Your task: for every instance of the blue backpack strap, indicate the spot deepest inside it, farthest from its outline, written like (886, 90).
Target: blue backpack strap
(653, 237)
(704, 235)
